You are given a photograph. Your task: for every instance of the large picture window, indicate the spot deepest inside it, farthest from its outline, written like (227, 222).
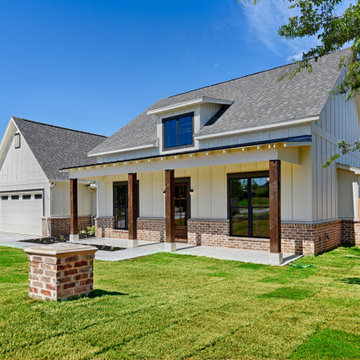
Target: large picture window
(249, 204)
(178, 131)
(120, 204)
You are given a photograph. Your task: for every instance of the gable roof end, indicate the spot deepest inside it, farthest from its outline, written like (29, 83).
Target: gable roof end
(56, 147)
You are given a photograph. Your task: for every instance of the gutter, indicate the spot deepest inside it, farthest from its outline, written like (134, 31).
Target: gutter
(257, 128)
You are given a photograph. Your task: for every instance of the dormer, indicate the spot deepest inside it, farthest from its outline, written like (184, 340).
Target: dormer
(177, 123)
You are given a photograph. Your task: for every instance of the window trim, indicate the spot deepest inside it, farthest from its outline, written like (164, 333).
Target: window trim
(17, 140)
(244, 175)
(177, 117)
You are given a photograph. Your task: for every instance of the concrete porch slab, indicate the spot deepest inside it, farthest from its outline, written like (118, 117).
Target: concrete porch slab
(148, 248)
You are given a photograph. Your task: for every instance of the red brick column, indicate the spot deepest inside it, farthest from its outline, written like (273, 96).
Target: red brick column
(60, 271)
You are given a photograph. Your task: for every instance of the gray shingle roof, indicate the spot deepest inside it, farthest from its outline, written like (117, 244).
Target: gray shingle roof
(55, 147)
(259, 99)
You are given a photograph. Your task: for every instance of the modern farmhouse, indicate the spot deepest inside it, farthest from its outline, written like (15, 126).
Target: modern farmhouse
(34, 195)
(236, 164)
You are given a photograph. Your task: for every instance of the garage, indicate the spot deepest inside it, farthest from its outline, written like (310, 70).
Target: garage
(21, 212)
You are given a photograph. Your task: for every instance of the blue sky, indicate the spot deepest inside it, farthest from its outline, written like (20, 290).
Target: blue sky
(93, 65)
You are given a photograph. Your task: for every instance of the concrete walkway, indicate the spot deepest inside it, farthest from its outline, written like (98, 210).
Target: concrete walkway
(14, 240)
(149, 248)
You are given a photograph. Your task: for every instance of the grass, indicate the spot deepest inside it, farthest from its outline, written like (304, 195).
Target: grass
(174, 306)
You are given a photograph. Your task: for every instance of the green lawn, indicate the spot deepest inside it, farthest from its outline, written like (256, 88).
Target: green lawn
(173, 306)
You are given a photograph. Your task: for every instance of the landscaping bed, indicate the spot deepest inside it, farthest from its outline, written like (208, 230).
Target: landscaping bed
(64, 239)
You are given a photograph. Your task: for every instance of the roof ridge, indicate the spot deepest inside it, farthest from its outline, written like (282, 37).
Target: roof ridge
(252, 74)
(58, 127)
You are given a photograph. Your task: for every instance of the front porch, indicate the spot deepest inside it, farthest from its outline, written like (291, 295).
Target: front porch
(146, 248)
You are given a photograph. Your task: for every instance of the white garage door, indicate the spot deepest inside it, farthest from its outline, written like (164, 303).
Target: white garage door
(21, 213)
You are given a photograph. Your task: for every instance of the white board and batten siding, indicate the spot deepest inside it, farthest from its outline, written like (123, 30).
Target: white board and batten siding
(209, 185)
(24, 189)
(339, 120)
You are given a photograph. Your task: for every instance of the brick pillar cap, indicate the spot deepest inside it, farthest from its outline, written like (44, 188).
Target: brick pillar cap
(60, 249)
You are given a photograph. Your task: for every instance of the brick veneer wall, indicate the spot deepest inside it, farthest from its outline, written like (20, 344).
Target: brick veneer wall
(350, 232)
(60, 276)
(210, 232)
(57, 226)
(151, 229)
(309, 239)
(297, 238)
(105, 227)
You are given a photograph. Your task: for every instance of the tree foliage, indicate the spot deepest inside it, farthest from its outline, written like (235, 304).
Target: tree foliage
(334, 30)
(320, 18)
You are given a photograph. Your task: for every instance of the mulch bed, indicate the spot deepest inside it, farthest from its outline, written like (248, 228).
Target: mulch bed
(64, 239)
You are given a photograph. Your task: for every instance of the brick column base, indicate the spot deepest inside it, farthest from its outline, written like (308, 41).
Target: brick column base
(60, 271)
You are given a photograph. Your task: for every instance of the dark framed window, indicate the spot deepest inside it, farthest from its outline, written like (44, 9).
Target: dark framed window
(178, 131)
(248, 204)
(26, 197)
(17, 141)
(4, 197)
(38, 196)
(120, 204)
(14, 197)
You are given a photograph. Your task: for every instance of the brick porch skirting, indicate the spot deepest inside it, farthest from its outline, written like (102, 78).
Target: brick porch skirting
(105, 227)
(297, 238)
(57, 226)
(307, 239)
(151, 229)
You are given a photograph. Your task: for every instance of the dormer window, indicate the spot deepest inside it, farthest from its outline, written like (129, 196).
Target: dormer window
(178, 131)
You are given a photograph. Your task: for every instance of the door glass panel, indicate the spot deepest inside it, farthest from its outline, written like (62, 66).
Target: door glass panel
(261, 223)
(239, 221)
(180, 204)
(260, 192)
(239, 192)
(121, 206)
(249, 215)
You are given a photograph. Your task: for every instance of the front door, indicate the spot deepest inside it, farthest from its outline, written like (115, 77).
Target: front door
(182, 207)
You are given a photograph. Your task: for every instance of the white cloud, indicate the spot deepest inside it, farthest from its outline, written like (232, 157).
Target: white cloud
(264, 20)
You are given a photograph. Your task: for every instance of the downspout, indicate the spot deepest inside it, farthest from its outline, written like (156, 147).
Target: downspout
(92, 188)
(52, 184)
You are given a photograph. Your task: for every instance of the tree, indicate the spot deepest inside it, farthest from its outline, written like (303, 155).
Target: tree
(334, 31)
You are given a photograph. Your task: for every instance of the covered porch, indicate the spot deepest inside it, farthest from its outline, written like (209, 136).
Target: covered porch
(186, 200)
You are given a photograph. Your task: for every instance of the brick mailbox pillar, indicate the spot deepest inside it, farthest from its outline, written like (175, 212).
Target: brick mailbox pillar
(60, 271)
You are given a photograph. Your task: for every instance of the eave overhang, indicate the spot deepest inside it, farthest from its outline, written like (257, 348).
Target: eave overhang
(185, 104)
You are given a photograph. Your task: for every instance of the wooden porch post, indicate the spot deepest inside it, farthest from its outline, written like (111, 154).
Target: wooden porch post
(132, 209)
(170, 210)
(74, 226)
(275, 256)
